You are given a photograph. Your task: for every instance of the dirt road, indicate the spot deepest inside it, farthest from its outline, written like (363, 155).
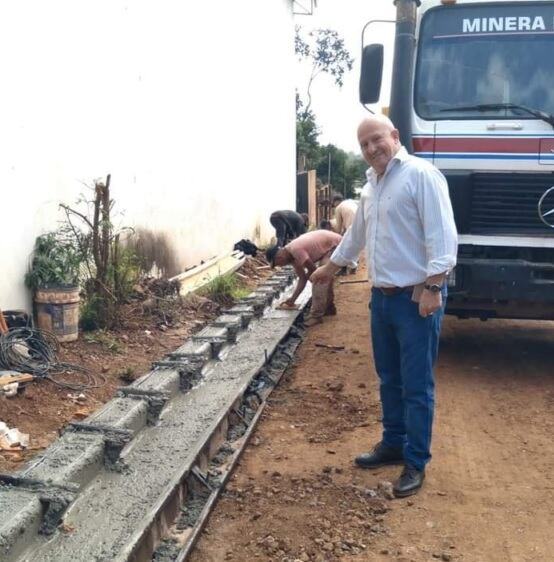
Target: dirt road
(489, 492)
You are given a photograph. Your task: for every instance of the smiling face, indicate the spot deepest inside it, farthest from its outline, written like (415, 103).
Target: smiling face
(379, 142)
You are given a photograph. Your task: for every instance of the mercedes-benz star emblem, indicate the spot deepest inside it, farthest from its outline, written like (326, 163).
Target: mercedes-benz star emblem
(546, 207)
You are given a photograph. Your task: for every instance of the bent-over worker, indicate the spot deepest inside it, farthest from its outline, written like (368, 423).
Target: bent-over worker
(288, 225)
(304, 253)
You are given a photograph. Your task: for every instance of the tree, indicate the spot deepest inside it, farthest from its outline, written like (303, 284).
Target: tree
(347, 169)
(327, 54)
(307, 133)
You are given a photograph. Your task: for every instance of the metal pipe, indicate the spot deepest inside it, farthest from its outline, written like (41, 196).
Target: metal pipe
(403, 70)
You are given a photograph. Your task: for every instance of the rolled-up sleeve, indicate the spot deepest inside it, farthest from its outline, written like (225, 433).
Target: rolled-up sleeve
(437, 217)
(354, 239)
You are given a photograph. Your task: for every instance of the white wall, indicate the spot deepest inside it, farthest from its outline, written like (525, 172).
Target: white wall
(189, 105)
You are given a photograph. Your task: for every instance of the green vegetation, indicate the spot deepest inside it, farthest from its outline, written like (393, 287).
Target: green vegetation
(111, 268)
(56, 262)
(225, 289)
(105, 339)
(324, 50)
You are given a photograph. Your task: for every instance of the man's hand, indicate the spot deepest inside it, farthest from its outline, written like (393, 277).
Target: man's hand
(287, 305)
(429, 302)
(325, 273)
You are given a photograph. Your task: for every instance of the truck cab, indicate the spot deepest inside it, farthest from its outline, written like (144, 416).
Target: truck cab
(479, 104)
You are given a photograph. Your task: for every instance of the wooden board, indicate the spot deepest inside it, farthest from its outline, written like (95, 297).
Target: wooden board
(9, 379)
(197, 277)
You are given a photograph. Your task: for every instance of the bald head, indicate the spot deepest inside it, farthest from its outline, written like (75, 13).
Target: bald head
(375, 121)
(379, 141)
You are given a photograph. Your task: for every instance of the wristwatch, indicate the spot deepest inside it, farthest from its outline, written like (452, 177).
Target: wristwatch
(433, 288)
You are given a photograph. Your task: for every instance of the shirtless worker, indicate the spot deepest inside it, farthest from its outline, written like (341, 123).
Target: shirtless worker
(305, 253)
(345, 210)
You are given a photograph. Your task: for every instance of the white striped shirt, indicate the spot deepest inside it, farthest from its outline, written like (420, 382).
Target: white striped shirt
(406, 223)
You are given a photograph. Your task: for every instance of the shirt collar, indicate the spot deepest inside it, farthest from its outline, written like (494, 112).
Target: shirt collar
(400, 156)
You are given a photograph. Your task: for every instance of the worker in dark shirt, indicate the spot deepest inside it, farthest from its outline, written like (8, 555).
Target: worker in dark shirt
(288, 225)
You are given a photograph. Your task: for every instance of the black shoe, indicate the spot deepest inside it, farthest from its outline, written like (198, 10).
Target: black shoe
(409, 483)
(380, 455)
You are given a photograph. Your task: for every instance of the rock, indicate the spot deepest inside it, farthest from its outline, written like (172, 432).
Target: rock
(335, 386)
(446, 556)
(362, 385)
(105, 368)
(385, 489)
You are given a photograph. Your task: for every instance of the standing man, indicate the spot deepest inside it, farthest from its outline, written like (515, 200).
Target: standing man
(405, 221)
(288, 225)
(304, 253)
(345, 211)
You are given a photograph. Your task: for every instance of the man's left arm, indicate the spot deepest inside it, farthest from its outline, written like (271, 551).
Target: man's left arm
(441, 238)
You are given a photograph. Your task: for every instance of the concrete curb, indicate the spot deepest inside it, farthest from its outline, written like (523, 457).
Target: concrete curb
(141, 440)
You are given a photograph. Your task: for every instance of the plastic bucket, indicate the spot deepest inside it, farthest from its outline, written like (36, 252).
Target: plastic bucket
(57, 311)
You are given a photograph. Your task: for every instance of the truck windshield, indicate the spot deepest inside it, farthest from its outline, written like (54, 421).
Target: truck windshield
(486, 62)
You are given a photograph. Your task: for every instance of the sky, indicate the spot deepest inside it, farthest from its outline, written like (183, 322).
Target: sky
(338, 111)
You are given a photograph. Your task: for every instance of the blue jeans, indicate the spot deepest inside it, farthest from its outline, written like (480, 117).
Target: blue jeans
(405, 347)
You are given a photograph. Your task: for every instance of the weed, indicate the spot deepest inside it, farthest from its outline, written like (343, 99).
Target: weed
(89, 314)
(225, 289)
(104, 338)
(127, 374)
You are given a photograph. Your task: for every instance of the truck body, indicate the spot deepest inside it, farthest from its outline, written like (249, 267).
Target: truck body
(473, 93)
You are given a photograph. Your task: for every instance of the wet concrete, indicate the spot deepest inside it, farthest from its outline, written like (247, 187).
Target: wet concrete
(196, 506)
(111, 515)
(20, 520)
(74, 458)
(168, 551)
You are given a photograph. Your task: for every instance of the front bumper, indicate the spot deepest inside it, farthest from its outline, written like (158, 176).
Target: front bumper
(489, 288)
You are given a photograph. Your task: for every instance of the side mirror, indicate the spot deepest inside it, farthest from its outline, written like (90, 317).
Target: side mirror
(371, 73)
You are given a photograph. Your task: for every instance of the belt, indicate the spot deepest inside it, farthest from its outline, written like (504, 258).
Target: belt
(391, 291)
